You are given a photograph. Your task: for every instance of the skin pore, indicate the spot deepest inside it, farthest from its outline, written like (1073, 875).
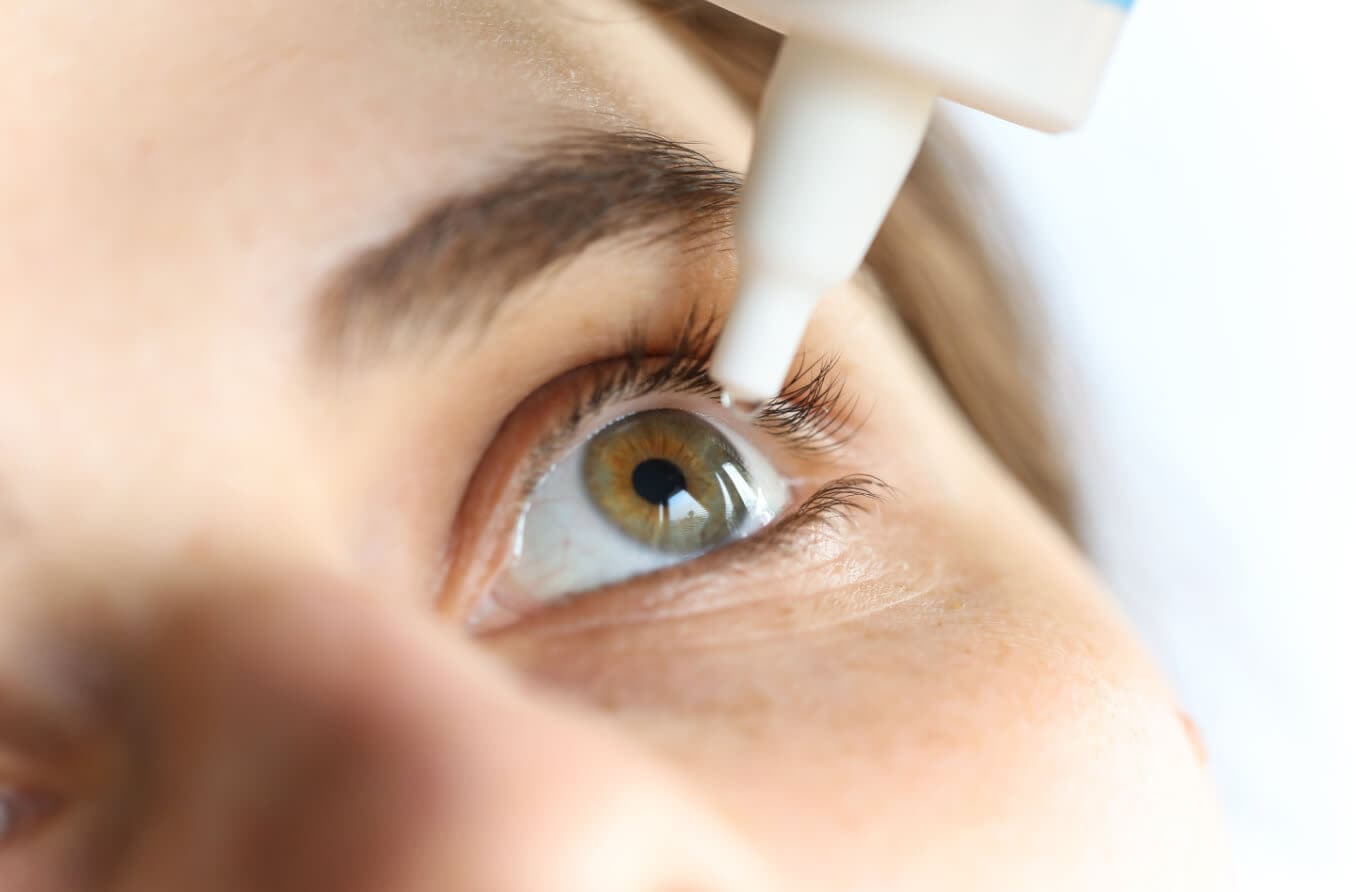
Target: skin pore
(240, 546)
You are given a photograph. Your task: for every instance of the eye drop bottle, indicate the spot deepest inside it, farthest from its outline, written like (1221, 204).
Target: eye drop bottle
(842, 120)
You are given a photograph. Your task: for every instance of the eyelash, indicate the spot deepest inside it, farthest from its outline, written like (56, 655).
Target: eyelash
(812, 416)
(812, 419)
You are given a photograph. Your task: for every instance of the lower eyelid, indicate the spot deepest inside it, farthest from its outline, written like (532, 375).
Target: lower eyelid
(689, 589)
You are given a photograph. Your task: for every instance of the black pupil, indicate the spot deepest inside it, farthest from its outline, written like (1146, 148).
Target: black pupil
(656, 480)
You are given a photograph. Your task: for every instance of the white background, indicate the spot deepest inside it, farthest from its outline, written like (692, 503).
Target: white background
(1197, 246)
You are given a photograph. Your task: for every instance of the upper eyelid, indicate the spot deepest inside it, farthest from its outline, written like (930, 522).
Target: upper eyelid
(813, 413)
(812, 416)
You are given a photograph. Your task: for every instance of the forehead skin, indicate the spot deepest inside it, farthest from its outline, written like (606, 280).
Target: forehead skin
(182, 175)
(346, 111)
(179, 177)
(234, 151)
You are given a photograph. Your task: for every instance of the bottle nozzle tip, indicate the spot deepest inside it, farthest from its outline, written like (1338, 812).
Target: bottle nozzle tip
(746, 408)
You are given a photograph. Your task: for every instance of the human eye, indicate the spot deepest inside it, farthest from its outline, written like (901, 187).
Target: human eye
(631, 468)
(651, 489)
(22, 809)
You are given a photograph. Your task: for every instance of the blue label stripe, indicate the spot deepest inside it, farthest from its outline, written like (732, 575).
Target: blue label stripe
(1123, 4)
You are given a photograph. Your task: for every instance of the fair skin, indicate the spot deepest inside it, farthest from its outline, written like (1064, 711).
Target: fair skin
(238, 571)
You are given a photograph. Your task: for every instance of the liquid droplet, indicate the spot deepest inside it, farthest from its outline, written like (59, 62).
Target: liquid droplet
(746, 408)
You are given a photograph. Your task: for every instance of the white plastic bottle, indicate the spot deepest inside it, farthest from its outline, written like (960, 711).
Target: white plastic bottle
(842, 120)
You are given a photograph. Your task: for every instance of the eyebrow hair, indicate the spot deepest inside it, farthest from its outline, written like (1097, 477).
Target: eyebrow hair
(463, 257)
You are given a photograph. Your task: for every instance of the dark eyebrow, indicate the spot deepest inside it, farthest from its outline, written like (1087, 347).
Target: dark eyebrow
(465, 255)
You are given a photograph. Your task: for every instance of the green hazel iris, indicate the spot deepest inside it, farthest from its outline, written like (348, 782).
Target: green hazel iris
(668, 479)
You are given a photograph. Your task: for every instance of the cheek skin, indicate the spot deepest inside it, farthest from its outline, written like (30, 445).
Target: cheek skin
(909, 720)
(942, 678)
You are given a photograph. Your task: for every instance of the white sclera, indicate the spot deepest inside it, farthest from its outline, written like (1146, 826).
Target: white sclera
(565, 545)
